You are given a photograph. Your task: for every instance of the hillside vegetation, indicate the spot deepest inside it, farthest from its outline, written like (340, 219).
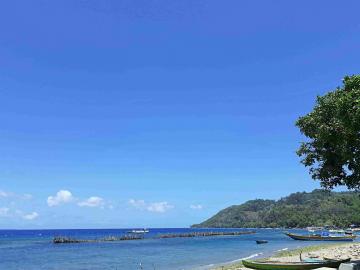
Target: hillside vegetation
(301, 209)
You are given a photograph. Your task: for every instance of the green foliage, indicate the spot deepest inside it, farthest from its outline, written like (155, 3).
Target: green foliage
(333, 128)
(301, 209)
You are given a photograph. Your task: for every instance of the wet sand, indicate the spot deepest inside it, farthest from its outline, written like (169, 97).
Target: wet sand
(330, 251)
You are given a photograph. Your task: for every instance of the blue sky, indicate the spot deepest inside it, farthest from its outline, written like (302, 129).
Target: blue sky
(159, 113)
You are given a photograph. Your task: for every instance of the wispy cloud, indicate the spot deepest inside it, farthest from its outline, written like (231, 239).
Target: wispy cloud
(158, 207)
(61, 197)
(27, 196)
(12, 195)
(93, 201)
(139, 204)
(196, 206)
(31, 216)
(4, 194)
(4, 211)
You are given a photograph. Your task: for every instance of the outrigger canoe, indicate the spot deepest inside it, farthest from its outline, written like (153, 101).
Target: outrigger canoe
(274, 265)
(317, 237)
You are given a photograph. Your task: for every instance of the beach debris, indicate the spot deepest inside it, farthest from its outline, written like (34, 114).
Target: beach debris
(312, 255)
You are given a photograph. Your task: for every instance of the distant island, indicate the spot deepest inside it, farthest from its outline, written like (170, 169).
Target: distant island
(298, 210)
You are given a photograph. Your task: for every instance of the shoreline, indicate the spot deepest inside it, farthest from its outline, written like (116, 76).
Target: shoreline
(329, 250)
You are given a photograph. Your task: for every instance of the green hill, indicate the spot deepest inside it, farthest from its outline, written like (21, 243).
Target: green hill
(301, 209)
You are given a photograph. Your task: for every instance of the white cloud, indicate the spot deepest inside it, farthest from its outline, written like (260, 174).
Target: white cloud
(92, 202)
(61, 197)
(196, 206)
(31, 216)
(158, 207)
(4, 211)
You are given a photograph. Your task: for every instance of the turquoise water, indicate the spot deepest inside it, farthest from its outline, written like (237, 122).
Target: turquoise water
(33, 249)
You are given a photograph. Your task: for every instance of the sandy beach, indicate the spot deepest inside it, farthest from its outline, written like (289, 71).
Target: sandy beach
(332, 251)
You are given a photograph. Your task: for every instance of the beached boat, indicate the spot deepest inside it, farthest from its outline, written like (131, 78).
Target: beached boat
(275, 265)
(319, 237)
(261, 241)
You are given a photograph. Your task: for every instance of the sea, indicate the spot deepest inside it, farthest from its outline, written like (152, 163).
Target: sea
(34, 249)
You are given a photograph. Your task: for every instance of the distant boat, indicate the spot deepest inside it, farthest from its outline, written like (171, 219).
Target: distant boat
(319, 237)
(354, 228)
(337, 231)
(314, 229)
(261, 241)
(139, 231)
(275, 265)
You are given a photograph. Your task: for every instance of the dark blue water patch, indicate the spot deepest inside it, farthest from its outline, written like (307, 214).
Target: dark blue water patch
(33, 249)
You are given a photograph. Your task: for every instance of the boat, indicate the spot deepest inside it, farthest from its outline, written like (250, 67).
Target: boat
(275, 265)
(139, 231)
(261, 241)
(319, 237)
(314, 229)
(337, 231)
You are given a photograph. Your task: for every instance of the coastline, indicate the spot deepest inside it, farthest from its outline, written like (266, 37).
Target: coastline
(330, 250)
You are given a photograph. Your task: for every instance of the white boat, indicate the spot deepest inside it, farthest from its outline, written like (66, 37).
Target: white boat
(139, 231)
(314, 229)
(337, 231)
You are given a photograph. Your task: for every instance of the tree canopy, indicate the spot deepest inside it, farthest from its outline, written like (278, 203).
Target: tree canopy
(332, 151)
(301, 209)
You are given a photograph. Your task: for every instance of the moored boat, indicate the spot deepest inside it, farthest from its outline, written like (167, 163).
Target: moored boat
(139, 231)
(275, 265)
(314, 229)
(339, 231)
(319, 237)
(261, 241)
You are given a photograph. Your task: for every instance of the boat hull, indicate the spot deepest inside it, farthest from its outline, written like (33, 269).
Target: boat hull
(261, 241)
(320, 238)
(292, 266)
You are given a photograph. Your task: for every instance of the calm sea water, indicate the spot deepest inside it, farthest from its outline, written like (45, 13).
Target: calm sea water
(33, 249)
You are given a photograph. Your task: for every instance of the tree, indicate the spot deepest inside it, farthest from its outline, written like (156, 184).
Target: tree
(332, 151)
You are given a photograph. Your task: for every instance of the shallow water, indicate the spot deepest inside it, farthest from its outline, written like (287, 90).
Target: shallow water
(33, 249)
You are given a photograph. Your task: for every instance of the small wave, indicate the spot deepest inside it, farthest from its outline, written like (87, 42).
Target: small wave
(229, 262)
(246, 258)
(283, 249)
(205, 267)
